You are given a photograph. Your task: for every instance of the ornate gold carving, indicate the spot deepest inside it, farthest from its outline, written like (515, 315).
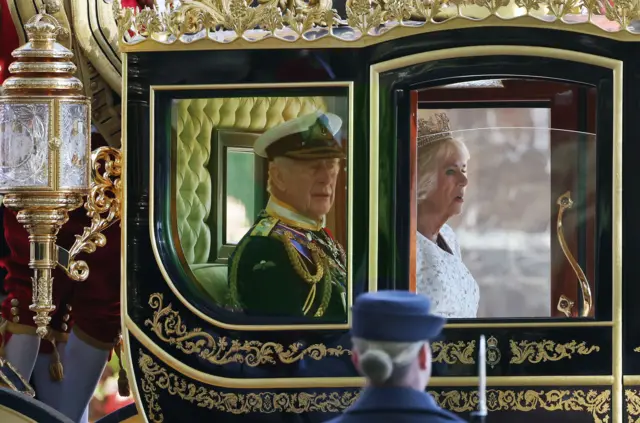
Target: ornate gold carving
(452, 352)
(632, 398)
(104, 197)
(51, 6)
(156, 378)
(565, 305)
(224, 21)
(598, 404)
(546, 350)
(167, 325)
(636, 349)
(493, 352)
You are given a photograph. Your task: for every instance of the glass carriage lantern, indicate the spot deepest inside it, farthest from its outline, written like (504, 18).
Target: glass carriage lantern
(45, 149)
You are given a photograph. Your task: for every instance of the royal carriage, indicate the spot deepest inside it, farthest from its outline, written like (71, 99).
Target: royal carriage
(542, 93)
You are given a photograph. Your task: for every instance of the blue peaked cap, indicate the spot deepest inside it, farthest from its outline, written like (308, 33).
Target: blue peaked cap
(394, 316)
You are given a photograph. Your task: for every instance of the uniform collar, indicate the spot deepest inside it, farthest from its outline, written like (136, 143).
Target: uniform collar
(379, 398)
(289, 216)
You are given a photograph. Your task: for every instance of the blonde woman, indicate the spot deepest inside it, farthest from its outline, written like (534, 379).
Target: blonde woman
(442, 179)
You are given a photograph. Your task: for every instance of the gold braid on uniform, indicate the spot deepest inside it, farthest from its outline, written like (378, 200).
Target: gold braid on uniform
(326, 294)
(319, 258)
(297, 262)
(301, 268)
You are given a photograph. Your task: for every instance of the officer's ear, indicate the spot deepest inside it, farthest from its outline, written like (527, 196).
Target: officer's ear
(424, 357)
(276, 176)
(354, 358)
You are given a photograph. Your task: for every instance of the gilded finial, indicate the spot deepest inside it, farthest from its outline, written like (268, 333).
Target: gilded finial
(433, 129)
(42, 30)
(42, 65)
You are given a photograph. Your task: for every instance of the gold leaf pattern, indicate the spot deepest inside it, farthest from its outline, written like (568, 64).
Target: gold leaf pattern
(167, 325)
(452, 352)
(223, 21)
(632, 399)
(156, 378)
(546, 350)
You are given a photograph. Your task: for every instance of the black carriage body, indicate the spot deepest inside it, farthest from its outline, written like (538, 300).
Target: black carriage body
(186, 367)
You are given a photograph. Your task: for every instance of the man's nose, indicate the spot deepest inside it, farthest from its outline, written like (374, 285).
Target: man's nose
(325, 172)
(463, 180)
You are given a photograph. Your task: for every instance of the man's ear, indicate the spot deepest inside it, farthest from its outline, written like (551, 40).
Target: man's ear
(277, 177)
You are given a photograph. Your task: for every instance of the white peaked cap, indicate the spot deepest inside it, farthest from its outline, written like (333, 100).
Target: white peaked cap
(294, 126)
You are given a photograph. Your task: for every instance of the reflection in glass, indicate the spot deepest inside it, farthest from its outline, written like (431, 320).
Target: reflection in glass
(502, 223)
(241, 193)
(261, 206)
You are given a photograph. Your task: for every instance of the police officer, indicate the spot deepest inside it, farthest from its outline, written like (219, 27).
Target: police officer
(288, 264)
(391, 333)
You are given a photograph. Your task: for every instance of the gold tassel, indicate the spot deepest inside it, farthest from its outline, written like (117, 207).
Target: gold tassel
(123, 382)
(56, 370)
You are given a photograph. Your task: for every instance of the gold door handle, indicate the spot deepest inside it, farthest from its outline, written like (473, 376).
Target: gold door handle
(565, 305)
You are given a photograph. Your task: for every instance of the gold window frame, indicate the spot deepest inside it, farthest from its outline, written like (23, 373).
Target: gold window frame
(174, 289)
(376, 70)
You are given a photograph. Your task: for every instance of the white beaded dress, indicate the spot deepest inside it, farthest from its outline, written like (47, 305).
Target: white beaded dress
(444, 278)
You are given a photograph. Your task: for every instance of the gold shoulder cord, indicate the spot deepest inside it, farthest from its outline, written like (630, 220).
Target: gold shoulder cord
(326, 296)
(296, 260)
(301, 269)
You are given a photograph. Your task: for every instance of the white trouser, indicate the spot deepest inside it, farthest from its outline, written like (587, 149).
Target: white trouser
(47, 389)
(22, 350)
(83, 368)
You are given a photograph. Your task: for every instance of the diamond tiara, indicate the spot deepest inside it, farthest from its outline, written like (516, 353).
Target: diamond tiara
(433, 129)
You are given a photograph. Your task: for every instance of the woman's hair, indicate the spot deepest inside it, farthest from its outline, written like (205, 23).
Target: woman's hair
(430, 157)
(385, 362)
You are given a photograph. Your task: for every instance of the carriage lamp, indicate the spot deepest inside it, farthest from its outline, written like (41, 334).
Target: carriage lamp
(45, 148)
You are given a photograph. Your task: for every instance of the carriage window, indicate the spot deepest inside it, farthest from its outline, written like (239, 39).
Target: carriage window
(240, 191)
(261, 195)
(506, 211)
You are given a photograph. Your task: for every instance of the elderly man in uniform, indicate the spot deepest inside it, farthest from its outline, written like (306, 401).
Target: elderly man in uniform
(288, 264)
(391, 333)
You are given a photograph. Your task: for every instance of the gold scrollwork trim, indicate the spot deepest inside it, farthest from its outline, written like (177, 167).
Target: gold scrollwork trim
(453, 352)
(632, 400)
(167, 325)
(546, 350)
(598, 404)
(103, 208)
(278, 23)
(156, 378)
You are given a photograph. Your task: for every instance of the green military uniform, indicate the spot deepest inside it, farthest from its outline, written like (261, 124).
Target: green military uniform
(282, 270)
(287, 264)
